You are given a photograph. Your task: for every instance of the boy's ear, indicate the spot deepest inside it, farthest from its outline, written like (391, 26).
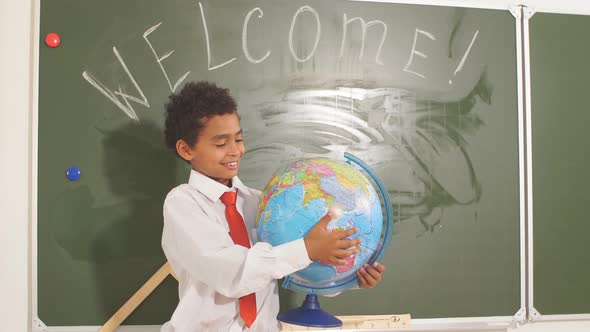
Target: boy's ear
(184, 150)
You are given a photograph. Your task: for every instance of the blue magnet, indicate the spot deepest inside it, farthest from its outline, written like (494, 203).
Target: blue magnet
(73, 173)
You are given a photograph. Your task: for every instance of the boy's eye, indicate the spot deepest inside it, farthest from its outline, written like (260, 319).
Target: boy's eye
(220, 145)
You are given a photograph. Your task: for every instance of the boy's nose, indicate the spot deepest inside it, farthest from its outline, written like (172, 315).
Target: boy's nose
(234, 150)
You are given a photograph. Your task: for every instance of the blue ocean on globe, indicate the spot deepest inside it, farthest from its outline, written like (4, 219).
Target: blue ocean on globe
(300, 194)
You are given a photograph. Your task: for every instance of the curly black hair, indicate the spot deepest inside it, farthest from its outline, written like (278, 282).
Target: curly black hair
(188, 111)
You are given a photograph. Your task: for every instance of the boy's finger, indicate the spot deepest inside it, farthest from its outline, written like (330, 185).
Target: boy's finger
(379, 267)
(371, 282)
(341, 253)
(362, 281)
(325, 220)
(349, 232)
(373, 272)
(344, 244)
(334, 260)
(340, 262)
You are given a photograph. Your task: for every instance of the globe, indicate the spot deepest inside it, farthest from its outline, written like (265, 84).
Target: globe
(299, 194)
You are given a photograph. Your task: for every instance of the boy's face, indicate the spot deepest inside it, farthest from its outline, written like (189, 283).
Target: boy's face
(218, 149)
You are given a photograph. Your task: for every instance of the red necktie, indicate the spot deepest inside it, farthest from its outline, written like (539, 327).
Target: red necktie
(239, 234)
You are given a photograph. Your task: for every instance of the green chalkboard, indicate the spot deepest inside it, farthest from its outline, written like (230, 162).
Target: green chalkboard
(560, 117)
(427, 97)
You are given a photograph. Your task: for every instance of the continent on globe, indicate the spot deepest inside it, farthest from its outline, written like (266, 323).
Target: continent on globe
(300, 193)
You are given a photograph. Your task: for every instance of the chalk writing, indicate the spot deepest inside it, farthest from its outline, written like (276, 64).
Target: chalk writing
(245, 37)
(127, 108)
(462, 62)
(416, 52)
(364, 27)
(317, 34)
(209, 44)
(164, 57)
(124, 100)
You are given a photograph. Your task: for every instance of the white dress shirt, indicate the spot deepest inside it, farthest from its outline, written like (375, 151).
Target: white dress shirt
(213, 272)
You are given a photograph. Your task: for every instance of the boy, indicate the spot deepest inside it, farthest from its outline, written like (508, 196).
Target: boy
(227, 282)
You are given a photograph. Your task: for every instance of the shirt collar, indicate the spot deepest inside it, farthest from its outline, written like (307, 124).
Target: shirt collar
(211, 188)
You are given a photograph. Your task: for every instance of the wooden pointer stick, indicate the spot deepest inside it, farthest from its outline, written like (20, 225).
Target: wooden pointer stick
(137, 298)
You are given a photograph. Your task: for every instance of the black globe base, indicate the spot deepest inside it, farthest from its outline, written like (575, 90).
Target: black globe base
(310, 314)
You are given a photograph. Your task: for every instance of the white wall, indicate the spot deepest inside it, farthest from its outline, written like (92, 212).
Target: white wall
(15, 115)
(16, 83)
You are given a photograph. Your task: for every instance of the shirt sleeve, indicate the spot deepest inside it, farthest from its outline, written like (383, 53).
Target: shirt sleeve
(205, 250)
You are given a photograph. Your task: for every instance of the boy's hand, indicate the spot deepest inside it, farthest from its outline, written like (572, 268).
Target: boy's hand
(369, 276)
(330, 247)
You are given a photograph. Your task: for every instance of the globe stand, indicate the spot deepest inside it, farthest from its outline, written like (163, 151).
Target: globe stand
(310, 314)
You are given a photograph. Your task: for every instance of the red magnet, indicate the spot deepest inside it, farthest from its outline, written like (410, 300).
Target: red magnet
(52, 39)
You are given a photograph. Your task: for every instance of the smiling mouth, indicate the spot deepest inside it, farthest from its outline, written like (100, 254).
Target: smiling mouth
(231, 164)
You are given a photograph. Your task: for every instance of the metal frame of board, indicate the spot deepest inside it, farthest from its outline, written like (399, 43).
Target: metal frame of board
(527, 311)
(37, 324)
